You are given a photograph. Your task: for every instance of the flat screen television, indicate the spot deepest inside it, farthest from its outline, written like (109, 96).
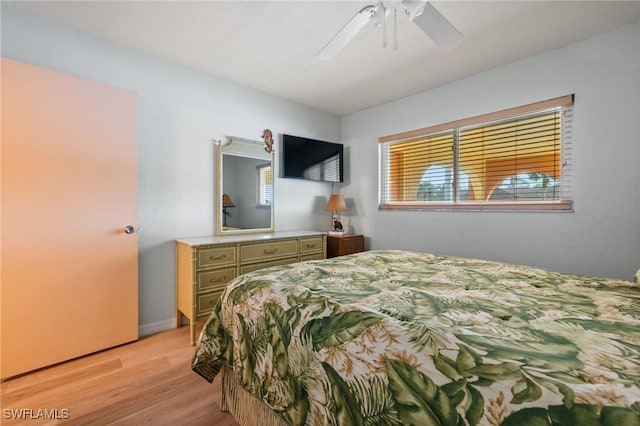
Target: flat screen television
(312, 159)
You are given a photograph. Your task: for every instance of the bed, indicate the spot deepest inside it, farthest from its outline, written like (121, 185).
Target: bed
(400, 338)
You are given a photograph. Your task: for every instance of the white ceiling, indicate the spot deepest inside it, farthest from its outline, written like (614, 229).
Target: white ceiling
(272, 45)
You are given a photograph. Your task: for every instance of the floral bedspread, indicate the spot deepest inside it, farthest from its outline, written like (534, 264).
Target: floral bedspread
(400, 338)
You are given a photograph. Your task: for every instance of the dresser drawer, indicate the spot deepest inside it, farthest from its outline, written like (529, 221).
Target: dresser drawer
(214, 279)
(310, 245)
(268, 250)
(216, 256)
(343, 245)
(313, 256)
(352, 245)
(255, 266)
(206, 302)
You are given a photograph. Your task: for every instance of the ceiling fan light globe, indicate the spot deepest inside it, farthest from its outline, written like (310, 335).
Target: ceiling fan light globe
(413, 8)
(379, 14)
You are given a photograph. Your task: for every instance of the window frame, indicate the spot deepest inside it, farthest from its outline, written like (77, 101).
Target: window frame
(565, 204)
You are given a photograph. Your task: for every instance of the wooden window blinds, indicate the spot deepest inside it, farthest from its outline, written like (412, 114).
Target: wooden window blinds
(516, 159)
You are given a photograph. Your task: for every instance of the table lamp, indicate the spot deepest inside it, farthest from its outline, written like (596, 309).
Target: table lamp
(226, 203)
(336, 204)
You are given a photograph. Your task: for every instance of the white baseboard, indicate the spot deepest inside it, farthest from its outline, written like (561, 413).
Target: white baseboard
(155, 327)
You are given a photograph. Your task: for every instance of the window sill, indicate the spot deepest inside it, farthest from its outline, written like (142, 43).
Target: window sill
(522, 206)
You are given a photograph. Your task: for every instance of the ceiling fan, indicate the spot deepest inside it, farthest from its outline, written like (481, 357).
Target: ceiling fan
(420, 12)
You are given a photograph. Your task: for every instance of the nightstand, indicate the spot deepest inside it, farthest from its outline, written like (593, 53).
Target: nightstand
(344, 244)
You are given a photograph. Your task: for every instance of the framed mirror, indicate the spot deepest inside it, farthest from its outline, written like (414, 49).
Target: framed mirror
(244, 187)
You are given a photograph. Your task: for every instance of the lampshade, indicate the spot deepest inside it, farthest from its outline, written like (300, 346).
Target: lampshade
(336, 203)
(226, 201)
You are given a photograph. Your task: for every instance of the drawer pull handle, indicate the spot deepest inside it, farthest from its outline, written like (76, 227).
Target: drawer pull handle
(270, 251)
(217, 280)
(222, 256)
(311, 245)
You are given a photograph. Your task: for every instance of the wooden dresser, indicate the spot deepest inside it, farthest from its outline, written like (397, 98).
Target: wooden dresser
(205, 265)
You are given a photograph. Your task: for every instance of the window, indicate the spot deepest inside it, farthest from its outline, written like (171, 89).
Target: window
(436, 184)
(518, 159)
(527, 186)
(264, 185)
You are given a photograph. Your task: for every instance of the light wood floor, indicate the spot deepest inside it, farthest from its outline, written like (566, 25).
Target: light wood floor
(145, 382)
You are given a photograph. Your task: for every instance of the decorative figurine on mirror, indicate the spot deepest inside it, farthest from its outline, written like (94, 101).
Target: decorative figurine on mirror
(268, 140)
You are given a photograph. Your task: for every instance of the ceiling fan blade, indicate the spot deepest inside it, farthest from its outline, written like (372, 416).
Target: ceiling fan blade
(438, 28)
(348, 32)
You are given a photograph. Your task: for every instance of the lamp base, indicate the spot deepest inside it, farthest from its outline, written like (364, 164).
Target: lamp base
(338, 224)
(336, 233)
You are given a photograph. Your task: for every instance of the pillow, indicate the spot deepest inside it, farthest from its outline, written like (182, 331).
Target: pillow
(636, 277)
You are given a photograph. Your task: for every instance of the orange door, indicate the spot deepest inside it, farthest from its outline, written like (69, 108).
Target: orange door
(69, 187)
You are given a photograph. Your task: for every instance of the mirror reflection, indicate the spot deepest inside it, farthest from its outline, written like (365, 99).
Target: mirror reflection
(245, 187)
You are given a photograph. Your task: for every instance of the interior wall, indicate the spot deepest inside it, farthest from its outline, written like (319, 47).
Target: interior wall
(602, 236)
(180, 111)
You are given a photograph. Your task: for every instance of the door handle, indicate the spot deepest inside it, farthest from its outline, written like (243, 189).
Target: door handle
(129, 229)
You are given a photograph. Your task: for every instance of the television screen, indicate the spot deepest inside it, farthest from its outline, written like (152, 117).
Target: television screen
(311, 159)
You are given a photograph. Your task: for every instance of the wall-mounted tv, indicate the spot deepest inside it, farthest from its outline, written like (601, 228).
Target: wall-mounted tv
(312, 159)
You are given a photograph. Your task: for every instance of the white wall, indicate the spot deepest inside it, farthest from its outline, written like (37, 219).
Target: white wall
(179, 112)
(601, 238)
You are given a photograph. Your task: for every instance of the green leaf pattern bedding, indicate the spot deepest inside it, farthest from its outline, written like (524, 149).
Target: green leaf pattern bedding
(402, 338)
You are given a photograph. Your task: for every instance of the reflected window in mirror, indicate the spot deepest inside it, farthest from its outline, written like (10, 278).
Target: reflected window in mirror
(265, 193)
